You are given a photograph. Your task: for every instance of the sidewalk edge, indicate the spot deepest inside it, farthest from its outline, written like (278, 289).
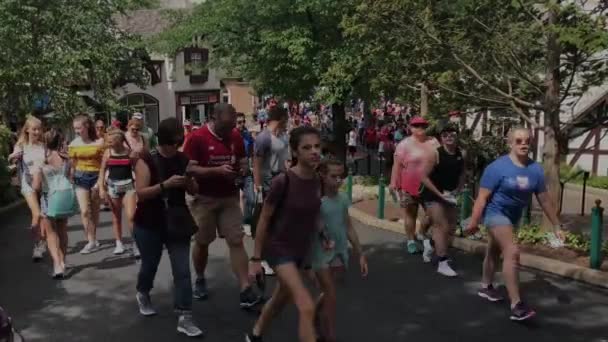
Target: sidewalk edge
(12, 206)
(560, 268)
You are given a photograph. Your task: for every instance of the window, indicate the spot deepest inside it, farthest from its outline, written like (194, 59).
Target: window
(145, 104)
(195, 65)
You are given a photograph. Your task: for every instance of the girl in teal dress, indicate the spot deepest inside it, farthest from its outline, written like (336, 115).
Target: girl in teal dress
(330, 248)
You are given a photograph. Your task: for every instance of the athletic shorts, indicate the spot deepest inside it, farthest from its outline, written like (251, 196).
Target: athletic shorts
(85, 179)
(217, 215)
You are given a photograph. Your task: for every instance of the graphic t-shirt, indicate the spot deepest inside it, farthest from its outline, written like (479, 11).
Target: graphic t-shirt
(512, 186)
(86, 156)
(33, 157)
(333, 218)
(210, 150)
(298, 218)
(352, 138)
(414, 158)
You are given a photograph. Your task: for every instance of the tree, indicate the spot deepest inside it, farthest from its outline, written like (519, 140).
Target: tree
(293, 50)
(530, 56)
(51, 49)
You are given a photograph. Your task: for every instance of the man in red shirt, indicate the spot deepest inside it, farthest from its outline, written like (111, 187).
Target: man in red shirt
(219, 150)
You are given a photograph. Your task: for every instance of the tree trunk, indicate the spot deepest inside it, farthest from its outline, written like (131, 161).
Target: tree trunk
(424, 100)
(339, 138)
(551, 150)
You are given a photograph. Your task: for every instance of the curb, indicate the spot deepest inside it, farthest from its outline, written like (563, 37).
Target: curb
(560, 268)
(12, 206)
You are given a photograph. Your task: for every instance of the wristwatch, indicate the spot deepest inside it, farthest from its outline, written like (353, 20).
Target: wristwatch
(254, 259)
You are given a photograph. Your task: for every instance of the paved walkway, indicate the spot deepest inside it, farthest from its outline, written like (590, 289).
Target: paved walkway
(403, 299)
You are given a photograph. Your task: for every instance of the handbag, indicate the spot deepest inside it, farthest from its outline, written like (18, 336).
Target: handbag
(180, 223)
(61, 197)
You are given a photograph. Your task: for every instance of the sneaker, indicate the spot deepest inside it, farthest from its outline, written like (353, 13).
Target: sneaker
(427, 253)
(445, 269)
(200, 291)
(58, 272)
(521, 312)
(145, 304)
(247, 229)
(267, 269)
(490, 293)
(135, 251)
(89, 248)
(186, 326)
(412, 247)
(249, 298)
(252, 338)
(38, 251)
(119, 249)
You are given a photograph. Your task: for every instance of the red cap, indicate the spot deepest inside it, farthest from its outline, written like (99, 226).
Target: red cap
(115, 123)
(418, 120)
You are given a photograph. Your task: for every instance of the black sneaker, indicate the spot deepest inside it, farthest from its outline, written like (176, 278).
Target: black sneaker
(490, 293)
(200, 291)
(252, 338)
(249, 298)
(521, 312)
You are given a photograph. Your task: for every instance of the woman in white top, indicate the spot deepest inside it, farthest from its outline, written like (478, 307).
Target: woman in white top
(352, 143)
(29, 156)
(135, 140)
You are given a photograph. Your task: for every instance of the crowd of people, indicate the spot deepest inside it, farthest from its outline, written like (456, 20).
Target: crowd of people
(182, 188)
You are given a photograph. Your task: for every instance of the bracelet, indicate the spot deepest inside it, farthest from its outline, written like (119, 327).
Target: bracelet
(254, 259)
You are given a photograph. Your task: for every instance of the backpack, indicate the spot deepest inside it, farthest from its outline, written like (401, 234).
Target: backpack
(61, 196)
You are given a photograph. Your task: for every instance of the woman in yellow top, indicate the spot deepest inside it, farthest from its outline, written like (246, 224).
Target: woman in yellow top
(86, 152)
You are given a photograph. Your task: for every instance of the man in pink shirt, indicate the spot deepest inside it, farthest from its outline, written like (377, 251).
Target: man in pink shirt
(414, 159)
(219, 150)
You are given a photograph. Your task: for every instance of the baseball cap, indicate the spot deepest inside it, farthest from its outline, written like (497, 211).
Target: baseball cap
(418, 120)
(138, 116)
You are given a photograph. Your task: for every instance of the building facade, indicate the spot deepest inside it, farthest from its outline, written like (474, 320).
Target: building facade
(179, 86)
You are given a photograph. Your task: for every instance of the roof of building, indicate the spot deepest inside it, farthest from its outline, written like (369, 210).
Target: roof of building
(145, 22)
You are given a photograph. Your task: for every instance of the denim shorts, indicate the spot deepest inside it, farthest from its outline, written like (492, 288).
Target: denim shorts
(492, 220)
(85, 179)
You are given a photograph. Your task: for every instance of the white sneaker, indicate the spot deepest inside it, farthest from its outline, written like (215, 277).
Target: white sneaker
(247, 229)
(145, 304)
(89, 248)
(119, 249)
(427, 254)
(186, 326)
(267, 269)
(38, 251)
(135, 251)
(445, 269)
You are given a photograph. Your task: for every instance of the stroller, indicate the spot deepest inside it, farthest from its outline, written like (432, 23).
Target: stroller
(7, 332)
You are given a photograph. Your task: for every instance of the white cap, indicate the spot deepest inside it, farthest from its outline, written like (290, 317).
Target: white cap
(138, 116)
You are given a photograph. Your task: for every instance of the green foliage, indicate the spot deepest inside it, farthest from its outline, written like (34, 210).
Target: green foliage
(7, 191)
(575, 175)
(534, 235)
(54, 48)
(482, 151)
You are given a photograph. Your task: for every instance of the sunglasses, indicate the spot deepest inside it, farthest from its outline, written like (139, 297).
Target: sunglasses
(420, 125)
(448, 134)
(240, 122)
(520, 141)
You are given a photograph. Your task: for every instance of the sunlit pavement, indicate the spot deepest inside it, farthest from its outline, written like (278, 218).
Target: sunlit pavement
(403, 299)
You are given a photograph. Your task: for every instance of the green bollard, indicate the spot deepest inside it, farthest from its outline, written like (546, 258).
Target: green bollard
(466, 204)
(380, 212)
(597, 230)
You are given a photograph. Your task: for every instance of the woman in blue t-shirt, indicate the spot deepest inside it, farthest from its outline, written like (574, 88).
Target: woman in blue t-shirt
(505, 189)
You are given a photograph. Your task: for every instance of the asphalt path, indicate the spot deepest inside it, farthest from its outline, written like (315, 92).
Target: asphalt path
(402, 300)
